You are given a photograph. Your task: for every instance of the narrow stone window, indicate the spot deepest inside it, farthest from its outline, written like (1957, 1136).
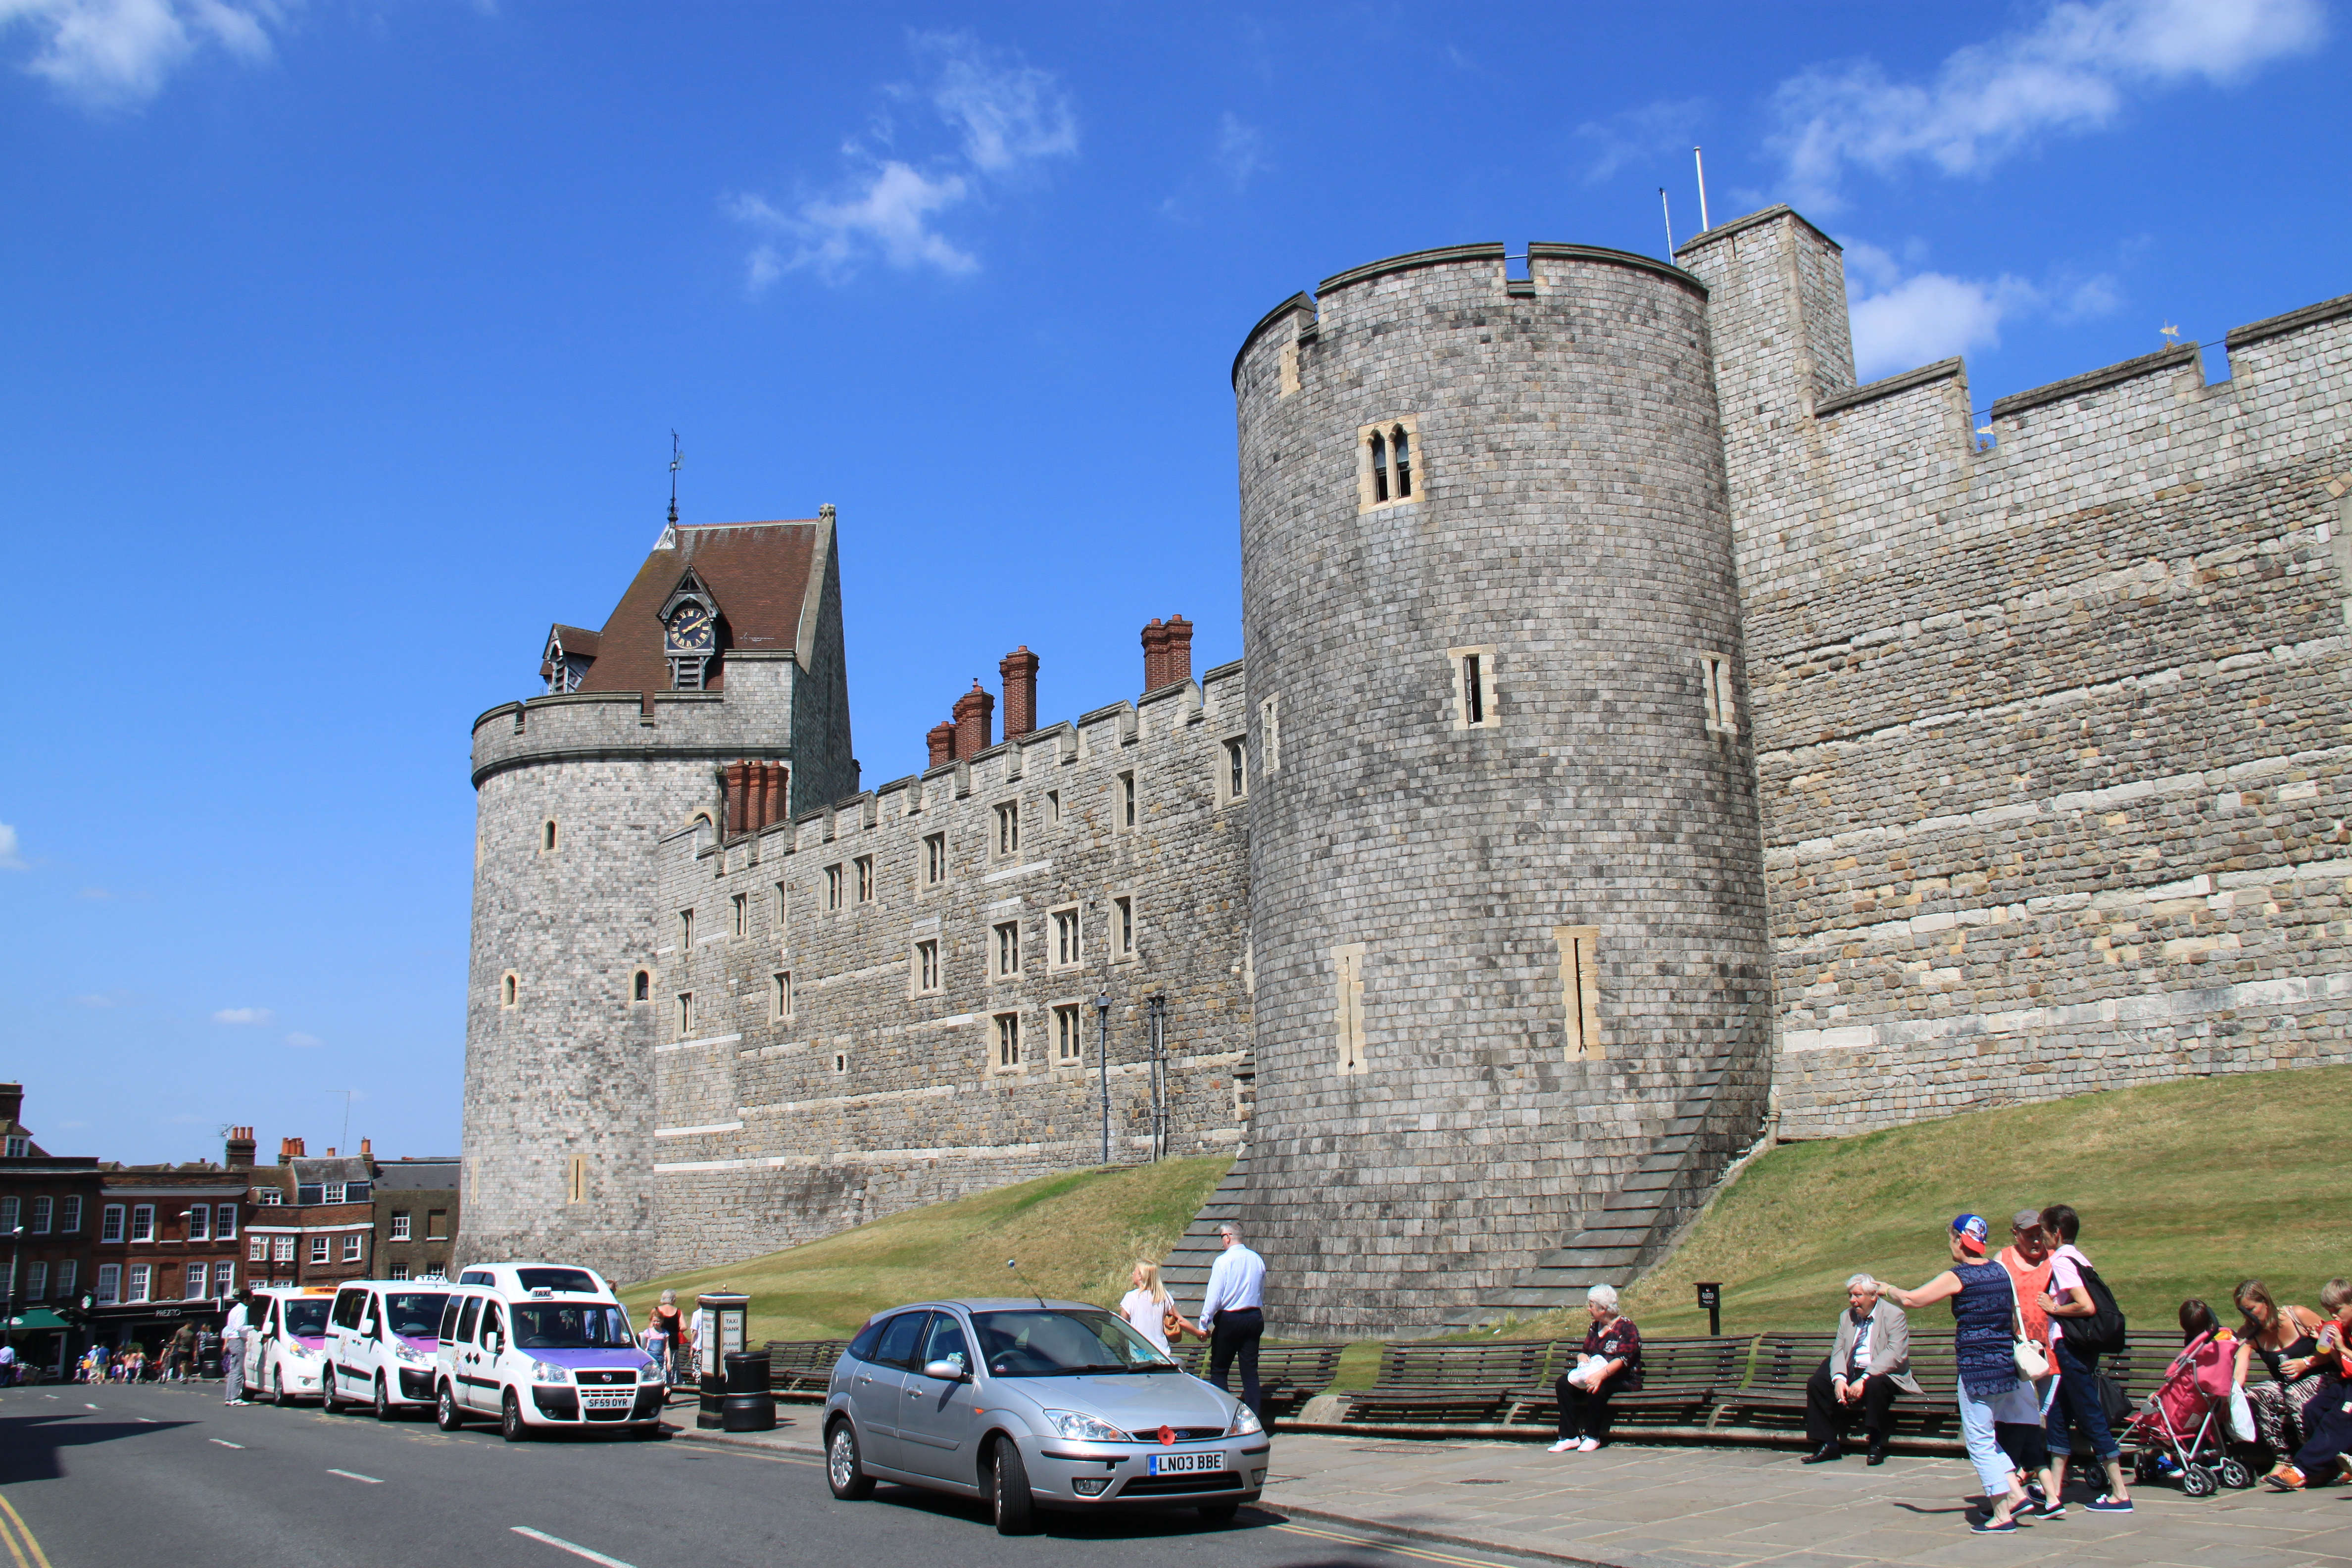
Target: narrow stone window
(782, 904)
(865, 864)
(841, 1064)
(1579, 991)
(1722, 705)
(1235, 778)
(1053, 807)
(641, 986)
(1269, 735)
(1008, 949)
(834, 884)
(1400, 453)
(685, 930)
(927, 967)
(547, 837)
(1384, 463)
(780, 995)
(1122, 928)
(1379, 466)
(1477, 702)
(1008, 830)
(1348, 962)
(741, 909)
(1125, 807)
(935, 859)
(1008, 1042)
(685, 1014)
(1066, 949)
(509, 984)
(1069, 1034)
(576, 1186)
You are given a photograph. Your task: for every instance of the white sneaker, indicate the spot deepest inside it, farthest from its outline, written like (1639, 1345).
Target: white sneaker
(1565, 1446)
(1588, 1445)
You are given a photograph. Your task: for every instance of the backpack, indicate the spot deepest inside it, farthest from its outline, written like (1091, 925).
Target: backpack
(2101, 1332)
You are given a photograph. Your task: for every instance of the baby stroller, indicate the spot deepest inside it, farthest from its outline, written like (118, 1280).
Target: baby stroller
(2186, 1421)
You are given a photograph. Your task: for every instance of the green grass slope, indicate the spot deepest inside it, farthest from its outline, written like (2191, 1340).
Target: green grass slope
(1077, 1236)
(2185, 1189)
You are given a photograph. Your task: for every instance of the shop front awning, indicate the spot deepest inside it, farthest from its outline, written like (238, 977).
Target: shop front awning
(33, 1318)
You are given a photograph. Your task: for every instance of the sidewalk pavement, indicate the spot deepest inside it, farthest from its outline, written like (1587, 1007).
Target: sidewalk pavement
(1631, 1506)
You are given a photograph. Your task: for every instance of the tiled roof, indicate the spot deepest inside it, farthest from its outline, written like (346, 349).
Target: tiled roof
(759, 573)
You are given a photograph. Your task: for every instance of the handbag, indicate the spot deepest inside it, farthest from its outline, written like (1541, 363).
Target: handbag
(1172, 1325)
(2242, 1417)
(2032, 1360)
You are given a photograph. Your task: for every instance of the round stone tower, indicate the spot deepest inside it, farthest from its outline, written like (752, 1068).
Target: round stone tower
(1506, 908)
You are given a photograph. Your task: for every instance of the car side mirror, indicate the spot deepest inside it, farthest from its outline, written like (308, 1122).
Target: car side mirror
(945, 1370)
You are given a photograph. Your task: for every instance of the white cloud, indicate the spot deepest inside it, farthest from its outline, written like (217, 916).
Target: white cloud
(299, 1039)
(105, 999)
(244, 1016)
(1989, 100)
(10, 860)
(1903, 320)
(117, 53)
(1008, 118)
(1241, 150)
(1645, 134)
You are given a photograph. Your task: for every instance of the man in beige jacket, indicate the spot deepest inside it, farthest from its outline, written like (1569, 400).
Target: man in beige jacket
(1868, 1365)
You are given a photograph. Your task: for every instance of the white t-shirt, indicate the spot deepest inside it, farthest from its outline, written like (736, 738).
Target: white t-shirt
(1142, 1309)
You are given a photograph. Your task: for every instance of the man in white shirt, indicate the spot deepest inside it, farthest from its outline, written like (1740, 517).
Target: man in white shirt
(1231, 1312)
(7, 1362)
(233, 1350)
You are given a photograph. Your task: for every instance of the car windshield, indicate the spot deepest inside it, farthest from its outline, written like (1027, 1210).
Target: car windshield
(1047, 1343)
(416, 1313)
(540, 1326)
(575, 1280)
(307, 1316)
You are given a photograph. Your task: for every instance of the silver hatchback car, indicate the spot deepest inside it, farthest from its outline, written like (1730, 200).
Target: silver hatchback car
(1030, 1404)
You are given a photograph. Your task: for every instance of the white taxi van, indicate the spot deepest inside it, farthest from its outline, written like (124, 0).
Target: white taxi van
(286, 1341)
(380, 1344)
(541, 1347)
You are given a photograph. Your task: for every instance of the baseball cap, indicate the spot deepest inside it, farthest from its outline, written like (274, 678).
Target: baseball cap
(2026, 1219)
(1972, 1230)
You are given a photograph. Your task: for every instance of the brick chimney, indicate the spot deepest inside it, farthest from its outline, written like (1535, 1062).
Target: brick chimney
(1179, 666)
(1019, 670)
(12, 1103)
(289, 1149)
(237, 1153)
(736, 822)
(1155, 656)
(940, 739)
(975, 722)
(367, 1149)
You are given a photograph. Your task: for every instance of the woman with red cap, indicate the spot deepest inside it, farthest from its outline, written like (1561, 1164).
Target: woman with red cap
(1986, 1330)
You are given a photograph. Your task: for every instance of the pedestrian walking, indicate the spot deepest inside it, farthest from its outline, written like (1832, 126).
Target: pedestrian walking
(1986, 1321)
(183, 1352)
(1869, 1363)
(2076, 1406)
(1150, 1311)
(233, 1350)
(7, 1362)
(1609, 1364)
(1233, 1312)
(670, 1324)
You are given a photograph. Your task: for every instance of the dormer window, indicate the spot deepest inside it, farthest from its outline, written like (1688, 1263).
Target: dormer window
(569, 653)
(689, 634)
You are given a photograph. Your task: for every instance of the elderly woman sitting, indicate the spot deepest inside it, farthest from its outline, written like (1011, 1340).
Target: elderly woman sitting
(1610, 1364)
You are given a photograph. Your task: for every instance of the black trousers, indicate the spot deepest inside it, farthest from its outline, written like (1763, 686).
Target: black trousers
(1583, 1414)
(1826, 1417)
(1235, 1333)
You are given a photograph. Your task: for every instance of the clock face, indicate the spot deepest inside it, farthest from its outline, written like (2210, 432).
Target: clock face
(689, 627)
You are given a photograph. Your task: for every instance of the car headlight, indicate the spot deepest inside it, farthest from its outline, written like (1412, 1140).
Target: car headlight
(548, 1371)
(1245, 1422)
(1083, 1428)
(405, 1353)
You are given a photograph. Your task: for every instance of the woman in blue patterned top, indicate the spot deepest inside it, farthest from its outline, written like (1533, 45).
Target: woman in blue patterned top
(1985, 1313)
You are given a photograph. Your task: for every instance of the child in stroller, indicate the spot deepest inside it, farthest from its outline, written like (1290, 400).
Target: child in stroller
(2183, 1428)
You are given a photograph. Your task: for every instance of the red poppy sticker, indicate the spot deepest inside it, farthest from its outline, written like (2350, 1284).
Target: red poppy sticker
(1168, 1437)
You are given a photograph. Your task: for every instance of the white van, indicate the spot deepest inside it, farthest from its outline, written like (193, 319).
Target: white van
(286, 1341)
(542, 1346)
(380, 1344)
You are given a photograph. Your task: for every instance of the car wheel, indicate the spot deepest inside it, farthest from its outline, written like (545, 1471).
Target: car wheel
(1009, 1498)
(446, 1414)
(278, 1385)
(510, 1425)
(328, 1378)
(1220, 1512)
(843, 1472)
(384, 1410)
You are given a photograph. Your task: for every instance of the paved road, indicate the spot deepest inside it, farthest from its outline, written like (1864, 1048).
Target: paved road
(126, 1476)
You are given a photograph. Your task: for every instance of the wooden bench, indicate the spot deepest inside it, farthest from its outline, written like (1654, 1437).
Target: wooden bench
(1680, 1379)
(802, 1368)
(1288, 1375)
(1461, 1382)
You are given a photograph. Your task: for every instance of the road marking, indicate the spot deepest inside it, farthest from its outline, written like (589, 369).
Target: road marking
(355, 1475)
(88, 1405)
(562, 1545)
(28, 1555)
(1422, 1552)
(149, 1419)
(48, 1396)
(225, 1442)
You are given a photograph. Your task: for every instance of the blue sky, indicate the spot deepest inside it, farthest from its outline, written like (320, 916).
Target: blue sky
(346, 340)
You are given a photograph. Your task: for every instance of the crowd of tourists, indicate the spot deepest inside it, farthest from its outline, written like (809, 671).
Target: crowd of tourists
(2030, 1325)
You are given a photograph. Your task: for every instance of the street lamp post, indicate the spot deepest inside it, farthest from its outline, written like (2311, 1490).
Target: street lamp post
(1158, 1003)
(15, 1252)
(1102, 1013)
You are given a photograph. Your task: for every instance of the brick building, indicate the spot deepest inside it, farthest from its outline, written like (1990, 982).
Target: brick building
(167, 1251)
(415, 1216)
(313, 1219)
(49, 1218)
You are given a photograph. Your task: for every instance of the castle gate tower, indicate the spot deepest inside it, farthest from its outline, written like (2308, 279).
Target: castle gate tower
(725, 652)
(1507, 913)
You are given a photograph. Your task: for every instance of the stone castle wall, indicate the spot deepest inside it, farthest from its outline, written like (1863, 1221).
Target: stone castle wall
(875, 1094)
(2052, 732)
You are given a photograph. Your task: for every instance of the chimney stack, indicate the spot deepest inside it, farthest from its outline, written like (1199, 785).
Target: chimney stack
(1155, 656)
(367, 1149)
(737, 821)
(1019, 670)
(289, 1149)
(778, 803)
(1179, 665)
(12, 1103)
(941, 741)
(975, 720)
(237, 1153)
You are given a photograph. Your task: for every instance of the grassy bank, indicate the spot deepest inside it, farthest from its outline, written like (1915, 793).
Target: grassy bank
(1076, 1235)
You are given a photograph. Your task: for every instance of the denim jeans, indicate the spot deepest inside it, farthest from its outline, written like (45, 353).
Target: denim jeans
(2077, 1405)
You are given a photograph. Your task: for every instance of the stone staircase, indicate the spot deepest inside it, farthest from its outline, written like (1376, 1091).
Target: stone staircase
(1631, 1225)
(1185, 1270)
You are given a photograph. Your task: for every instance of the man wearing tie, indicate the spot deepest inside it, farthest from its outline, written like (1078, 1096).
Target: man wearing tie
(1870, 1362)
(1230, 1312)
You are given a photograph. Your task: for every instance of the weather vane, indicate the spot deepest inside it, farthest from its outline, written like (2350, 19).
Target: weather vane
(675, 457)
(2171, 334)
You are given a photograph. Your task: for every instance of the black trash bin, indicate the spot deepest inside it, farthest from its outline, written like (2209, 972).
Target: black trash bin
(750, 1406)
